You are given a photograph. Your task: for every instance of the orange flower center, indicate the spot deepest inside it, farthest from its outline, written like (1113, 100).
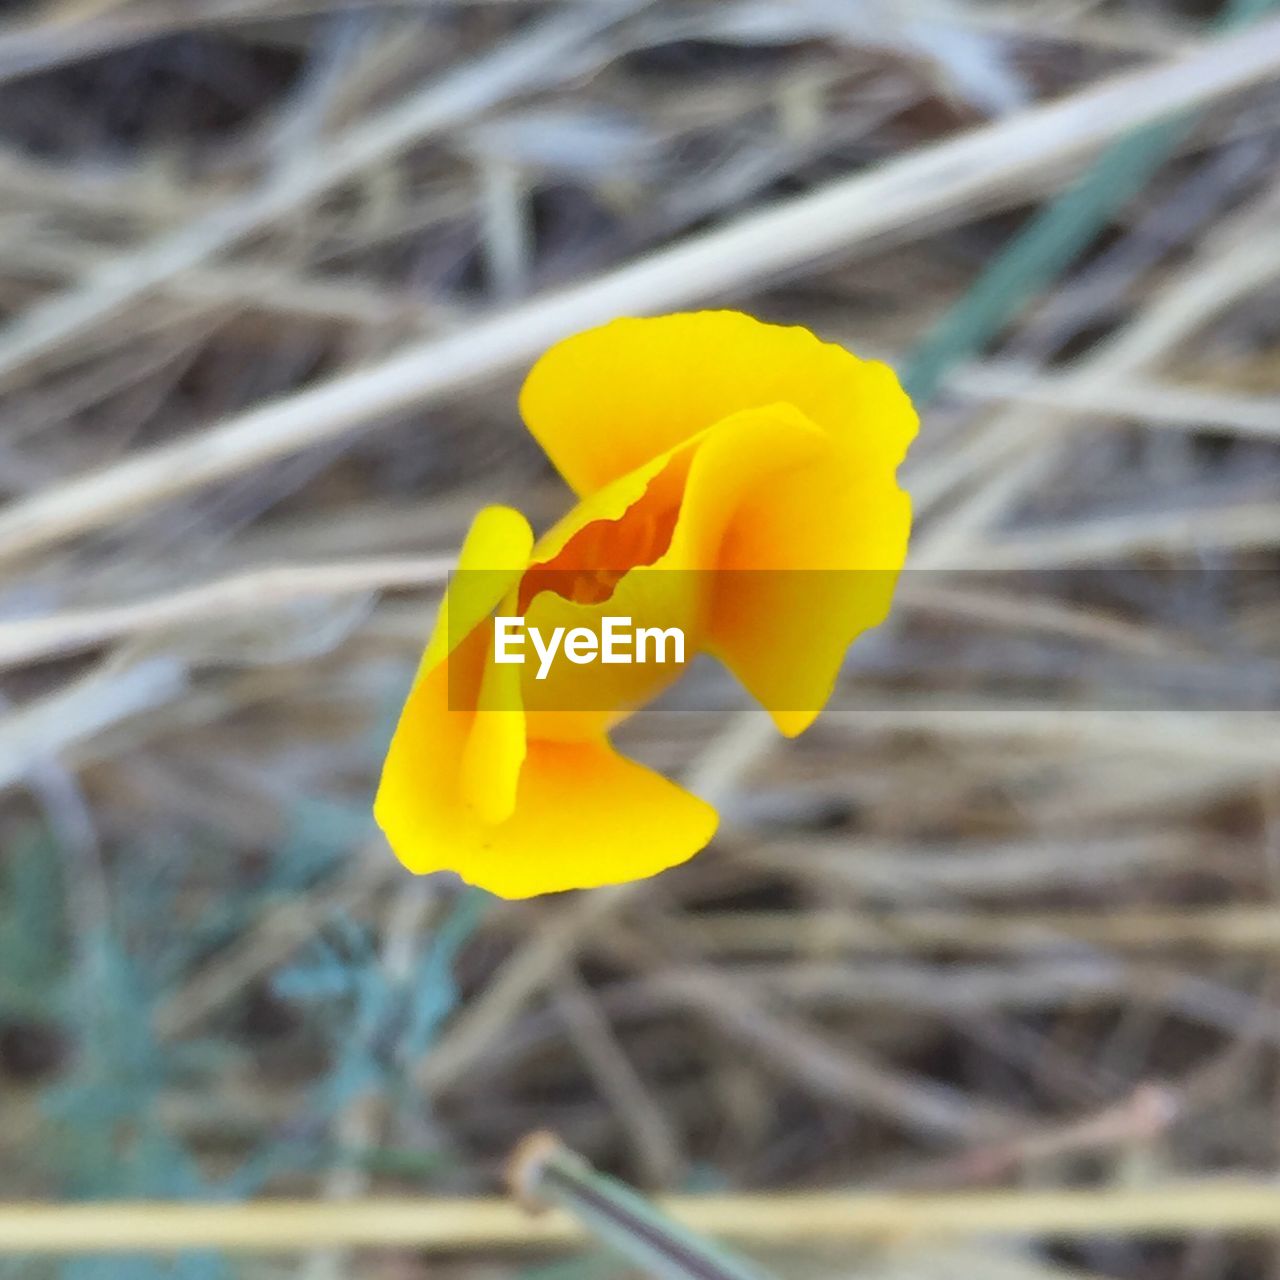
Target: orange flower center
(589, 566)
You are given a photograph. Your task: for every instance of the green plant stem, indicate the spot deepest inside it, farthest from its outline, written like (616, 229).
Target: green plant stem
(1050, 240)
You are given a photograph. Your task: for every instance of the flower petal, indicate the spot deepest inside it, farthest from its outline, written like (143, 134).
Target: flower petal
(583, 815)
(604, 402)
(658, 480)
(420, 805)
(496, 746)
(494, 553)
(586, 817)
(446, 753)
(805, 544)
(738, 457)
(784, 631)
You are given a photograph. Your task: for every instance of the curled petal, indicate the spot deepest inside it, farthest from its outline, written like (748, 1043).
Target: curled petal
(432, 765)
(586, 817)
(583, 815)
(803, 545)
(784, 630)
(604, 402)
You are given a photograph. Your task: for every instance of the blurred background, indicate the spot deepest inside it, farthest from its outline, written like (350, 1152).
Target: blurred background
(271, 272)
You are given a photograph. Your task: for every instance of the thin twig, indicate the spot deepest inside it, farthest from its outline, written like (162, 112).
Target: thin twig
(255, 589)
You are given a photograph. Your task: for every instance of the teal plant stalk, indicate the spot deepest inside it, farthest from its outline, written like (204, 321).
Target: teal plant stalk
(1051, 239)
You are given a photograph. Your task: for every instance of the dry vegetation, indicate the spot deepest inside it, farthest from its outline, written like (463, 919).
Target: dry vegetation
(1008, 918)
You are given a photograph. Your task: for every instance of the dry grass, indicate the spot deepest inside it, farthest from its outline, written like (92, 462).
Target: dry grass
(269, 275)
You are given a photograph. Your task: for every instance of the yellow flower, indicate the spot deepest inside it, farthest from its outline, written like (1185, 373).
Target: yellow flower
(734, 479)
